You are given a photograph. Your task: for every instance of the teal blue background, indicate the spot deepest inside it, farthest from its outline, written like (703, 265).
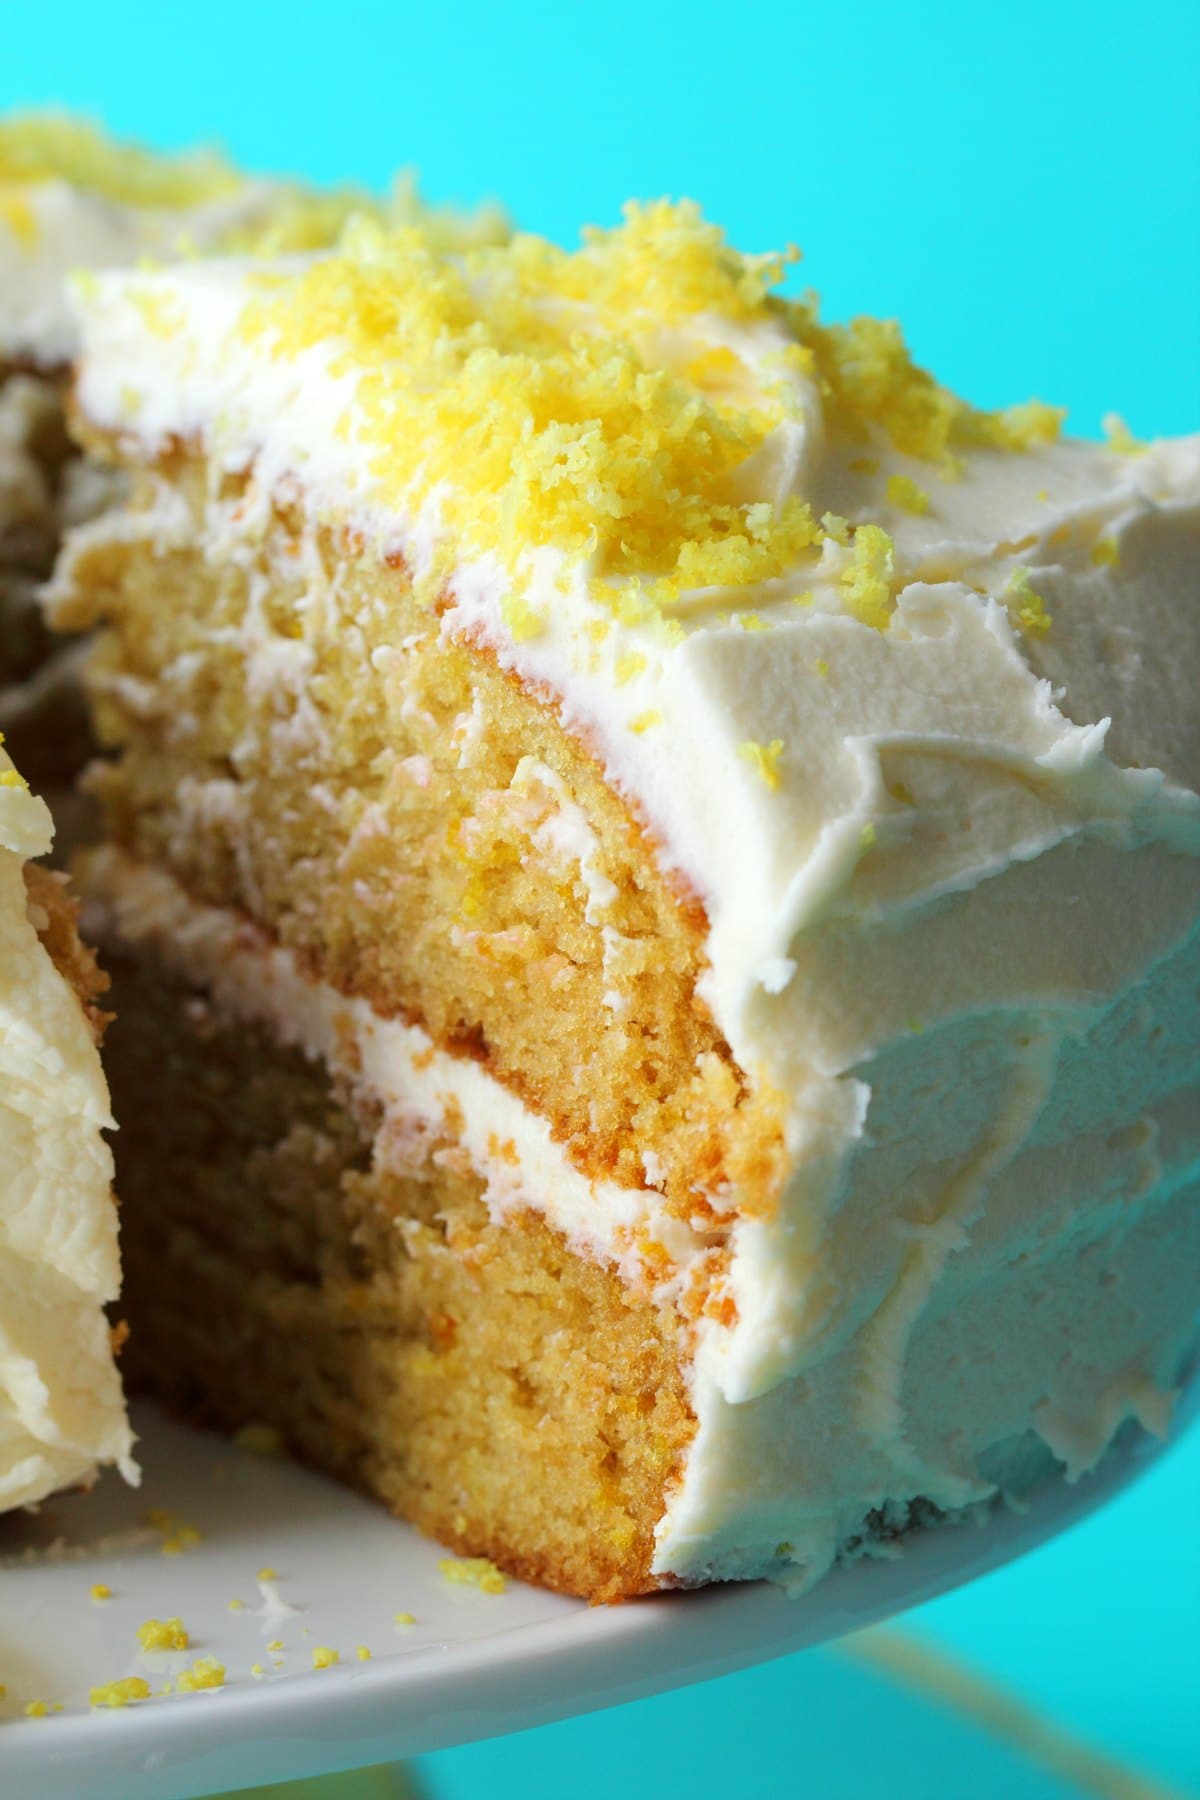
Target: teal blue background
(1017, 182)
(1021, 185)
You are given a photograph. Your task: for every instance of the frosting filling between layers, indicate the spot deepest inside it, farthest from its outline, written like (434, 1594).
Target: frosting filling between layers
(861, 1372)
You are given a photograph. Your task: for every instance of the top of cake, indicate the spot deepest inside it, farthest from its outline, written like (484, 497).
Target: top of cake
(812, 610)
(61, 1410)
(73, 197)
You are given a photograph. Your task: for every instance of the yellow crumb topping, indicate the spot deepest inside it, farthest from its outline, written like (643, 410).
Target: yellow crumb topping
(472, 1571)
(1120, 438)
(10, 778)
(902, 491)
(867, 579)
(259, 1440)
(362, 1653)
(205, 1672)
(18, 215)
(120, 1693)
(177, 1534)
(1105, 553)
(403, 1618)
(267, 1573)
(324, 1658)
(100, 1590)
(275, 1644)
(1025, 606)
(38, 1709)
(36, 147)
(575, 398)
(763, 759)
(163, 1634)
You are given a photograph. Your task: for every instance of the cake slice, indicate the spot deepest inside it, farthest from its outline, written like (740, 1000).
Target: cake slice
(62, 1414)
(652, 883)
(72, 198)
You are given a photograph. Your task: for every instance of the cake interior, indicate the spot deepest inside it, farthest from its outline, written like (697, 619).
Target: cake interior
(341, 1281)
(294, 738)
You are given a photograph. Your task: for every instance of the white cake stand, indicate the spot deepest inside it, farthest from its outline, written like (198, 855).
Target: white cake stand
(473, 1665)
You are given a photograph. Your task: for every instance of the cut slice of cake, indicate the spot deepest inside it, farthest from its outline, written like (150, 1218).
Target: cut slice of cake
(72, 198)
(62, 1414)
(654, 898)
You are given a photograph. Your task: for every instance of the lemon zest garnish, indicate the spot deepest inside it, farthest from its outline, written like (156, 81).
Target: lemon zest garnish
(19, 216)
(120, 1693)
(903, 492)
(205, 1672)
(472, 1571)
(1120, 438)
(163, 1634)
(763, 759)
(1031, 616)
(867, 579)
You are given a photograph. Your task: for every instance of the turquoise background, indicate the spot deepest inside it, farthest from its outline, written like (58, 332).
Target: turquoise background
(1017, 182)
(1021, 185)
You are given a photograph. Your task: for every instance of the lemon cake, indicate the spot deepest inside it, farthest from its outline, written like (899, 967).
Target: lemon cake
(652, 889)
(72, 198)
(62, 1414)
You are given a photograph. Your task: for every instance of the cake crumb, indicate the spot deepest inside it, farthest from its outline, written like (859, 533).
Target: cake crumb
(115, 1694)
(404, 1618)
(275, 1644)
(362, 1653)
(472, 1571)
(36, 1709)
(237, 1606)
(163, 1634)
(325, 1658)
(267, 1573)
(101, 1591)
(257, 1670)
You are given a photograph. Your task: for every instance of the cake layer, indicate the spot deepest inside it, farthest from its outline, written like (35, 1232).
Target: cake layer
(297, 740)
(61, 1409)
(333, 1249)
(72, 200)
(955, 1351)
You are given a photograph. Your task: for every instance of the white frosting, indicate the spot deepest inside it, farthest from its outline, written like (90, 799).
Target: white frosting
(959, 935)
(73, 228)
(61, 1409)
